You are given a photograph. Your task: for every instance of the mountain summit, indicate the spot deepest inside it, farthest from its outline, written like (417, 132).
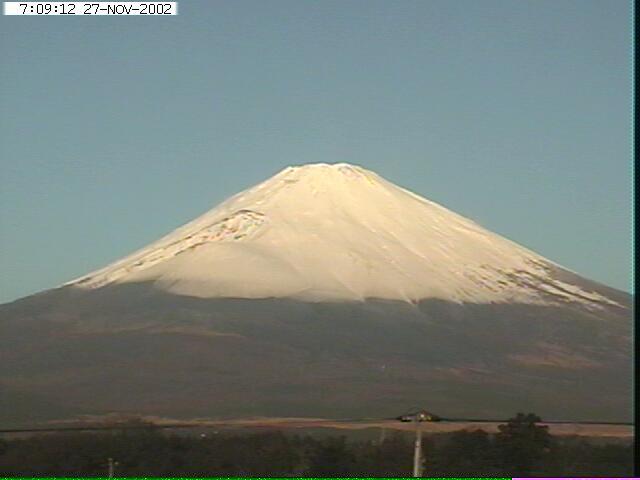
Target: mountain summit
(323, 291)
(340, 232)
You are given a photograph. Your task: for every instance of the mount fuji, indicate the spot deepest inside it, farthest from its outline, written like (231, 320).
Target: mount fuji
(323, 291)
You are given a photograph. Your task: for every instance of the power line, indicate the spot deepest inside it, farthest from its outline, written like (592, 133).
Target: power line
(166, 426)
(101, 427)
(558, 422)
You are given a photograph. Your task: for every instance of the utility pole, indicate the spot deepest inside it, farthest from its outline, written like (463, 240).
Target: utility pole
(417, 418)
(417, 451)
(383, 435)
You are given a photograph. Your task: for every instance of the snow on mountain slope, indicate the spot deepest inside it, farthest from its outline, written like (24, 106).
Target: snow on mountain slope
(340, 232)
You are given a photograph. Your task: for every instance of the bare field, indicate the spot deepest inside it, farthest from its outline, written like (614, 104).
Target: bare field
(293, 423)
(428, 427)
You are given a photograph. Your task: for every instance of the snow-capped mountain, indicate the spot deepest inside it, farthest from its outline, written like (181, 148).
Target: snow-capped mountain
(339, 232)
(323, 291)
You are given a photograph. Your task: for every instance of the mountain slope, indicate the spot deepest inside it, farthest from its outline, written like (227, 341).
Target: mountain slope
(324, 291)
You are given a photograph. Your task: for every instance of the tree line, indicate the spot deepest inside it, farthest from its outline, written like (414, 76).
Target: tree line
(521, 447)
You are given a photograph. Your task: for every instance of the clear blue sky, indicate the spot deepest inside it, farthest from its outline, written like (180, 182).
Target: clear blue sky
(115, 130)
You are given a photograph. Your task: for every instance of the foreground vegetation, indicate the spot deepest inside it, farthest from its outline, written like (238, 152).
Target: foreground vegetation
(521, 448)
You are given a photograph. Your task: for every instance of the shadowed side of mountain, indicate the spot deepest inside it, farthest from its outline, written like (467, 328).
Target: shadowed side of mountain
(132, 348)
